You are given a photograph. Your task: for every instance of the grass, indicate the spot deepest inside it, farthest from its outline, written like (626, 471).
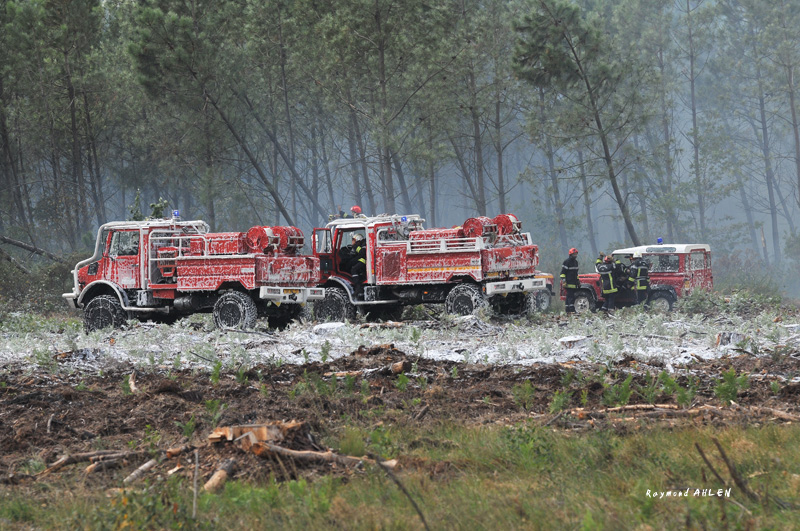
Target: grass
(468, 477)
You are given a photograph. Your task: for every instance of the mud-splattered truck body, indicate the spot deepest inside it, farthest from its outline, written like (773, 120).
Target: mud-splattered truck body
(484, 261)
(171, 267)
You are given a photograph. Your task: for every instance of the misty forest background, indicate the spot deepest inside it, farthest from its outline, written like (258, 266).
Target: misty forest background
(600, 123)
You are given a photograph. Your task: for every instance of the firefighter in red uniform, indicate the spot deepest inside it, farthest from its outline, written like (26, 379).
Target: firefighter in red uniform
(569, 276)
(608, 275)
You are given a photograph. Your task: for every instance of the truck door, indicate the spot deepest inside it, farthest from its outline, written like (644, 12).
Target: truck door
(323, 249)
(123, 255)
(699, 270)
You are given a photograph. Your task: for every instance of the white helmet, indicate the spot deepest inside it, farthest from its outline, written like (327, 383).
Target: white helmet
(637, 254)
(358, 237)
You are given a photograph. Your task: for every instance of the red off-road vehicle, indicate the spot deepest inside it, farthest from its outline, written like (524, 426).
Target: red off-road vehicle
(484, 262)
(169, 267)
(675, 271)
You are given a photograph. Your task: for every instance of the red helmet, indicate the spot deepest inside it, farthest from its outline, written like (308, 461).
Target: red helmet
(573, 251)
(356, 209)
(608, 258)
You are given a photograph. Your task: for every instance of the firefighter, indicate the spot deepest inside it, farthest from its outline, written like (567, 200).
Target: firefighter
(358, 267)
(355, 212)
(623, 272)
(569, 276)
(599, 260)
(639, 277)
(608, 275)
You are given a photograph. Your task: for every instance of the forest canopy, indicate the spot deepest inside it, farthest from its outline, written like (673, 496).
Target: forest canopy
(596, 122)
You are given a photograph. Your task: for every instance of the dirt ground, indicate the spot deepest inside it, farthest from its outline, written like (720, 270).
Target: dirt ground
(45, 416)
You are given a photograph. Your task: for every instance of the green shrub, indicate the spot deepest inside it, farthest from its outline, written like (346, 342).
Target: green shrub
(618, 394)
(560, 400)
(523, 394)
(728, 388)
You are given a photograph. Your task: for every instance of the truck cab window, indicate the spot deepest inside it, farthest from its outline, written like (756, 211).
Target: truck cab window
(665, 263)
(323, 241)
(125, 244)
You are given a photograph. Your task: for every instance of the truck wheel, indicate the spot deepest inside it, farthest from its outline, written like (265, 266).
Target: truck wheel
(336, 306)
(660, 302)
(583, 302)
(235, 309)
(103, 311)
(542, 298)
(465, 299)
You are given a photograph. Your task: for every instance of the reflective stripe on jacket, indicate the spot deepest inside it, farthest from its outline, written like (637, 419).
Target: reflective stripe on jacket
(607, 271)
(361, 252)
(639, 274)
(569, 273)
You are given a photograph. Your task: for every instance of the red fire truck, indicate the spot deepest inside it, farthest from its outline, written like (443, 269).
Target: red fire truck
(675, 271)
(171, 267)
(483, 262)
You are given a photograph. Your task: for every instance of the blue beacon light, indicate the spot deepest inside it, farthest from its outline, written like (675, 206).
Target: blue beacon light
(660, 241)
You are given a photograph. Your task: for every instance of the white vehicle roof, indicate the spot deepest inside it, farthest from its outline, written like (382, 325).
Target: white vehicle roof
(369, 222)
(665, 248)
(200, 225)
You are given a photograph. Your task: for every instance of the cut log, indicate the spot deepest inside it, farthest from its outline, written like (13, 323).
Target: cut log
(132, 382)
(223, 472)
(175, 452)
(106, 464)
(139, 472)
(401, 367)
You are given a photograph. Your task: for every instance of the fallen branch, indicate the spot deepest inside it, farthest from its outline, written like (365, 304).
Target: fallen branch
(400, 485)
(709, 465)
(343, 374)
(633, 407)
(93, 457)
(770, 411)
(739, 480)
(31, 248)
(100, 466)
(139, 472)
(388, 324)
(8, 258)
(422, 412)
(265, 449)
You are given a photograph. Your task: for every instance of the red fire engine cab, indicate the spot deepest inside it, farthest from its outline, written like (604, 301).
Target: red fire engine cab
(170, 267)
(484, 262)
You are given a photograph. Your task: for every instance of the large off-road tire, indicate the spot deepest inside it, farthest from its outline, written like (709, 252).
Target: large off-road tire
(236, 310)
(465, 299)
(336, 306)
(584, 302)
(103, 311)
(660, 302)
(543, 300)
